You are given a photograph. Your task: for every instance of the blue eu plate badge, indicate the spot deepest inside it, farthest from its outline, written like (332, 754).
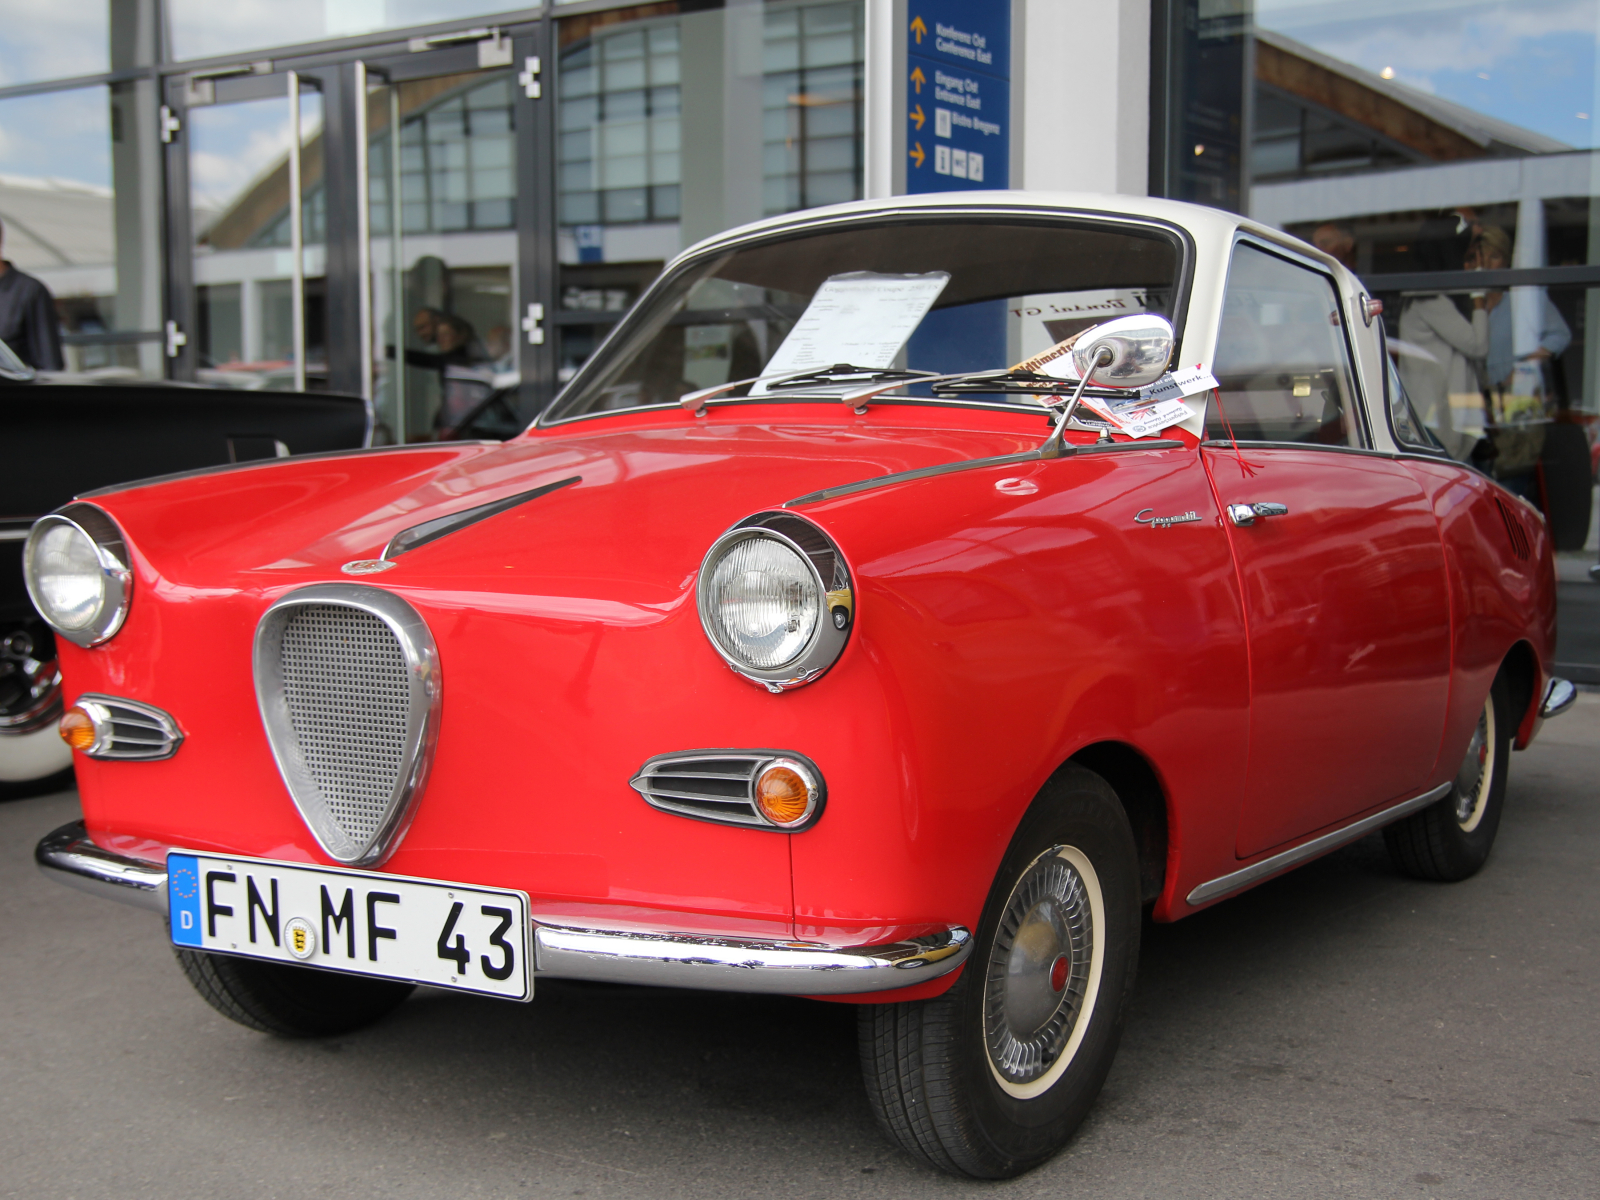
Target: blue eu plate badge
(183, 899)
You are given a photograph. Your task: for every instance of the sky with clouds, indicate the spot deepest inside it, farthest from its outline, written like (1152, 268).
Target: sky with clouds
(1529, 62)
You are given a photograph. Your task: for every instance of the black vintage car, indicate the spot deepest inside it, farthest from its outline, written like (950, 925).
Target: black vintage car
(64, 436)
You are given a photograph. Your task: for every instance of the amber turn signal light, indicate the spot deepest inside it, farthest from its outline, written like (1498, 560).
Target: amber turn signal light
(77, 729)
(785, 793)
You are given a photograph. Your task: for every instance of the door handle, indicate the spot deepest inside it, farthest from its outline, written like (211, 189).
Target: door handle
(1246, 514)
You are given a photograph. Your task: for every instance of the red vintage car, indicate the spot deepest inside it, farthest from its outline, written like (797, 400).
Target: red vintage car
(905, 598)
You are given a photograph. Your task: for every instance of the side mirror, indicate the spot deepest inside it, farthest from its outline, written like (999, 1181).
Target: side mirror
(1125, 352)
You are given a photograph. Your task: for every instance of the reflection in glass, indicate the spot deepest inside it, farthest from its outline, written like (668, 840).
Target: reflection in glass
(239, 201)
(1011, 291)
(772, 95)
(53, 41)
(203, 28)
(443, 290)
(75, 168)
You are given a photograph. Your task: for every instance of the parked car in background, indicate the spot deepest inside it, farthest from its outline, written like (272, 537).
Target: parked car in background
(904, 597)
(69, 435)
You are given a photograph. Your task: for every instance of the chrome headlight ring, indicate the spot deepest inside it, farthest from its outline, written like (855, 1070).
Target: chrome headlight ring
(112, 573)
(830, 583)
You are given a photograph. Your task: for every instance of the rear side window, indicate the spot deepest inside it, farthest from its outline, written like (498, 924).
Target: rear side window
(1282, 363)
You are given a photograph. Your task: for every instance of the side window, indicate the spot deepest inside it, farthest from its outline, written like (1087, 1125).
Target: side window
(1282, 362)
(1408, 427)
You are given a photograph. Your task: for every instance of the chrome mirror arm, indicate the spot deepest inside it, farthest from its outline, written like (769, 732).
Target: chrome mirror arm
(1052, 444)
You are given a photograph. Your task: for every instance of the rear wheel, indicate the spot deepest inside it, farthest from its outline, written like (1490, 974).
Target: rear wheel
(1451, 840)
(287, 1000)
(991, 1078)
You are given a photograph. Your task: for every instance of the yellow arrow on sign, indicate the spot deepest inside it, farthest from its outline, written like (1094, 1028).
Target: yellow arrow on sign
(918, 154)
(918, 116)
(918, 78)
(918, 28)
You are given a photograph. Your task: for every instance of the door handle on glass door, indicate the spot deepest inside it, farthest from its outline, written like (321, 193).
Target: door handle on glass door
(1246, 514)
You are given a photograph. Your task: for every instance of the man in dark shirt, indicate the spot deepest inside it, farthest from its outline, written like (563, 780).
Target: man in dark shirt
(28, 318)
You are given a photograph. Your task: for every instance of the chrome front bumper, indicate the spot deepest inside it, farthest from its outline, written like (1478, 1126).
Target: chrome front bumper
(608, 955)
(1559, 696)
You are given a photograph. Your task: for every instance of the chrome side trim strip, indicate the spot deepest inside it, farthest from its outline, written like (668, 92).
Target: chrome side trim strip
(740, 965)
(1000, 460)
(1256, 872)
(1559, 695)
(68, 856)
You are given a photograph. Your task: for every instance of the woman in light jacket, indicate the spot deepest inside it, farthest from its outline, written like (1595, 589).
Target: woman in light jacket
(1443, 381)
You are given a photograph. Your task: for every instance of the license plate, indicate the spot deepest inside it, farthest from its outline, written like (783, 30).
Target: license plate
(446, 935)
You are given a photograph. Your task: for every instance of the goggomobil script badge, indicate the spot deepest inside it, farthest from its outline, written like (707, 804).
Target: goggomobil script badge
(1143, 517)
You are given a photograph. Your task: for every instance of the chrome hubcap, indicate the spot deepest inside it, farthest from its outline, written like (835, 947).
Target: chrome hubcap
(1038, 970)
(1471, 793)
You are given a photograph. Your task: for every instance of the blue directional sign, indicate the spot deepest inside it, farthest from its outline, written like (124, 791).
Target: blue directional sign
(958, 95)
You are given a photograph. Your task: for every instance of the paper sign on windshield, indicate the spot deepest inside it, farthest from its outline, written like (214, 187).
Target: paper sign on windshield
(859, 318)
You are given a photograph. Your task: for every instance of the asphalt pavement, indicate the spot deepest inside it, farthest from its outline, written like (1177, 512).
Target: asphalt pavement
(1341, 1031)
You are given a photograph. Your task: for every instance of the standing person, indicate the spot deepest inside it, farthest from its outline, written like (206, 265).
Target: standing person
(1443, 381)
(1492, 248)
(28, 318)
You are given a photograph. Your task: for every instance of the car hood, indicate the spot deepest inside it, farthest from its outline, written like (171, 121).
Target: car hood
(645, 499)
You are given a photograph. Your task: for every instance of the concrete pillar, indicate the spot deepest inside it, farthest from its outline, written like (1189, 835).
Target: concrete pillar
(1082, 70)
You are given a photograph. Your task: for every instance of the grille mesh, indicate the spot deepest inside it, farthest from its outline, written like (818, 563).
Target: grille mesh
(347, 692)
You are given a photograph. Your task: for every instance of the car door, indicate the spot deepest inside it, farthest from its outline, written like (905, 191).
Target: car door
(1339, 560)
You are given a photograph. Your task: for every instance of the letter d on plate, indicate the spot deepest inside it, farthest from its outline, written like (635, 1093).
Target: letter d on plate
(183, 899)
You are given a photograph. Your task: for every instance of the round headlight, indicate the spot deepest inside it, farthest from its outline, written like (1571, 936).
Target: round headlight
(764, 605)
(66, 570)
(764, 601)
(76, 565)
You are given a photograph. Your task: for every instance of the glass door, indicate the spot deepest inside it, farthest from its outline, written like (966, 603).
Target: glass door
(443, 222)
(256, 244)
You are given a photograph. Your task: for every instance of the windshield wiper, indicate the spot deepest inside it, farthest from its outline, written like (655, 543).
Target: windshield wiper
(847, 373)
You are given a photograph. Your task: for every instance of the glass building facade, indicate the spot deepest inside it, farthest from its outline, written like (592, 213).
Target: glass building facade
(481, 192)
(1448, 152)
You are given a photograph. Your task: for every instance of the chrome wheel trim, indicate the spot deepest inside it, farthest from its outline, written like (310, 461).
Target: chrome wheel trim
(1470, 795)
(1055, 910)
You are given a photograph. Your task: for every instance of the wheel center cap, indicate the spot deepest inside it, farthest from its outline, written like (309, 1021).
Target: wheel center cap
(1058, 972)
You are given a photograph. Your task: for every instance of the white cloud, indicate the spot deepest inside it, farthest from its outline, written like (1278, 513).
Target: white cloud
(1418, 39)
(53, 41)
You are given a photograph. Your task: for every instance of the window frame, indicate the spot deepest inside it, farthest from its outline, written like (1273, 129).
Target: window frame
(1352, 362)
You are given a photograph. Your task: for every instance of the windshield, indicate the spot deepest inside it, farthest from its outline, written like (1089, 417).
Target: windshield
(941, 294)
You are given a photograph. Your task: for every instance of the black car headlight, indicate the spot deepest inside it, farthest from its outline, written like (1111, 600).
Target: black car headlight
(78, 573)
(775, 600)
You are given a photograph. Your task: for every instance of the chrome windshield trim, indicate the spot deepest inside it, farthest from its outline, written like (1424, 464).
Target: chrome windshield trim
(999, 460)
(733, 240)
(1238, 880)
(745, 965)
(68, 856)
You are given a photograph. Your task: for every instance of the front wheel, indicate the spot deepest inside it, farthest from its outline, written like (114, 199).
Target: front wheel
(991, 1078)
(287, 1000)
(1449, 841)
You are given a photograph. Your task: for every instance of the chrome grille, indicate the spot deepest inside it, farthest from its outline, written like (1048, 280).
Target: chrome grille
(345, 682)
(713, 785)
(348, 682)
